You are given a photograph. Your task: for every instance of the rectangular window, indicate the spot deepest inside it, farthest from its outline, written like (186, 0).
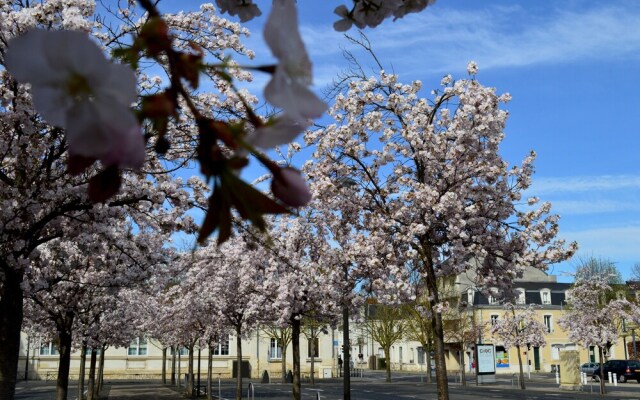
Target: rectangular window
(88, 351)
(421, 355)
(222, 348)
(548, 323)
(49, 349)
(492, 299)
(138, 347)
(546, 297)
(316, 352)
(555, 351)
(494, 319)
(521, 296)
(182, 351)
(275, 350)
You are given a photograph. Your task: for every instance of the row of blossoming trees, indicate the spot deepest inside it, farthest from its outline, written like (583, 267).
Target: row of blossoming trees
(405, 188)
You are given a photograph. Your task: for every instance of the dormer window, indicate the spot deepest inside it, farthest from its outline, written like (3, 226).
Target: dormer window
(470, 296)
(520, 296)
(545, 295)
(492, 296)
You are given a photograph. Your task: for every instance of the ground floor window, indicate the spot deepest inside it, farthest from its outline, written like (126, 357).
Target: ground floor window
(49, 349)
(275, 350)
(183, 351)
(222, 347)
(421, 353)
(316, 352)
(138, 347)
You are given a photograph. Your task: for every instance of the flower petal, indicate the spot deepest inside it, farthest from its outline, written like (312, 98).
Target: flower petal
(120, 84)
(52, 103)
(297, 100)
(26, 60)
(281, 131)
(281, 31)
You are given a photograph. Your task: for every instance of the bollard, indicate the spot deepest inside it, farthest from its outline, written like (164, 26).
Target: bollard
(557, 377)
(610, 381)
(317, 395)
(250, 392)
(615, 379)
(219, 387)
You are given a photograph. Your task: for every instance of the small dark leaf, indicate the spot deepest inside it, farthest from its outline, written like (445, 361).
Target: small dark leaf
(162, 145)
(212, 218)
(270, 69)
(105, 184)
(78, 164)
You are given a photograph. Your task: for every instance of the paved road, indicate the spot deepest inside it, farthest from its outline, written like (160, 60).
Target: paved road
(370, 387)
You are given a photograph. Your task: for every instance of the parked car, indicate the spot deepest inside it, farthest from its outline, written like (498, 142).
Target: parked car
(589, 367)
(624, 370)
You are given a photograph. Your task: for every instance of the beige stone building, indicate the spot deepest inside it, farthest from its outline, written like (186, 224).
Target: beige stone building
(143, 358)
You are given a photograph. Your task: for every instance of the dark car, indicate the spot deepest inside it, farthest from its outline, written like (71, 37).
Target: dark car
(624, 370)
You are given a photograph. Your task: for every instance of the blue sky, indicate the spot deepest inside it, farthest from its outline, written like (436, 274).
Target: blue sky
(572, 68)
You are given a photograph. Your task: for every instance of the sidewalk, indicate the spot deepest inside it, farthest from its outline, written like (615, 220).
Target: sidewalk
(140, 391)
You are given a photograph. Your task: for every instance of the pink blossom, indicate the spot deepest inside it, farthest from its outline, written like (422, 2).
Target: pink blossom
(290, 187)
(75, 88)
(288, 88)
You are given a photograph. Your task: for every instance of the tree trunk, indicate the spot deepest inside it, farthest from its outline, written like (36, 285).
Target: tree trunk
(522, 385)
(239, 362)
(83, 363)
(173, 365)
(438, 329)
(103, 350)
(283, 357)
(427, 347)
(603, 389)
(463, 378)
(295, 347)
(92, 375)
(198, 381)
(387, 358)
(190, 386)
(10, 324)
(312, 373)
(210, 373)
(179, 377)
(164, 365)
(441, 366)
(64, 347)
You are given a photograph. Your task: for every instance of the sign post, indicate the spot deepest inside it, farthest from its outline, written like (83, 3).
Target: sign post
(485, 363)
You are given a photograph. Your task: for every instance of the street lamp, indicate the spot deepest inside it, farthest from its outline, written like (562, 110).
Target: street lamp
(346, 182)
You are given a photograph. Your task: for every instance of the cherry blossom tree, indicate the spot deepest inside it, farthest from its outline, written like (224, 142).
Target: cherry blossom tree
(431, 186)
(520, 327)
(234, 273)
(299, 282)
(591, 317)
(76, 282)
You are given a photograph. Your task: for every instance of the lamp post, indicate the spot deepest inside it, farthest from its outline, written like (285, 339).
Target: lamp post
(346, 182)
(633, 339)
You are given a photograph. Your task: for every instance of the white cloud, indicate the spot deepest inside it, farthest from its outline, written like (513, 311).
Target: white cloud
(575, 207)
(543, 186)
(442, 39)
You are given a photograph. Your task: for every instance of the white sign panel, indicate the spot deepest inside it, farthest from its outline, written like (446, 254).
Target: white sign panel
(486, 359)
